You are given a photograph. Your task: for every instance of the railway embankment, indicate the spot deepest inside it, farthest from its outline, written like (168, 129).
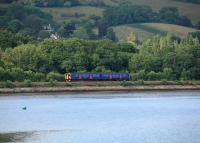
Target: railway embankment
(79, 87)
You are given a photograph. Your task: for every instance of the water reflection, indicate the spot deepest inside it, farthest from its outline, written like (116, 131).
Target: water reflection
(32, 136)
(15, 137)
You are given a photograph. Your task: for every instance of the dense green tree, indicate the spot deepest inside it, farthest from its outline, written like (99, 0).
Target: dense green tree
(167, 73)
(146, 62)
(184, 21)
(26, 57)
(55, 3)
(81, 33)
(127, 47)
(10, 40)
(6, 1)
(168, 56)
(69, 29)
(169, 14)
(71, 2)
(15, 25)
(184, 75)
(195, 35)
(190, 1)
(153, 76)
(102, 28)
(34, 22)
(127, 13)
(17, 11)
(198, 25)
(97, 3)
(111, 34)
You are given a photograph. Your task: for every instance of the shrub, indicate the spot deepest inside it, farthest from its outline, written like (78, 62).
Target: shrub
(140, 82)
(17, 74)
(164, 81)
(29, 75)
(52, 82)
(126, 83)
(167, 73)
(2, 71)
(9, 84)
(152, 76)
(186, 82)
(179, 82)
(54, 76)
(5, 74)
(184, 75)
(142, 75)
(27, 83)
(134, 76)
(34, 76)
(39, 76)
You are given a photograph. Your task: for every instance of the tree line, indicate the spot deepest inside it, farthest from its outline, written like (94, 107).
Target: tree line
(127, 13)
(57, 3)
(190, 1)
(158, 58)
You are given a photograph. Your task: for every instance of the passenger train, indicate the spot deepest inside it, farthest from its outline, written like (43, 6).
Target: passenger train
(96, 76)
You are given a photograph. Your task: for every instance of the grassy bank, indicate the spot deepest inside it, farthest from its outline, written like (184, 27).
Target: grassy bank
(9, 84)
(117, 86)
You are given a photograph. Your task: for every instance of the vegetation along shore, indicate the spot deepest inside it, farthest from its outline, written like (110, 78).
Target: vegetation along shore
(110, 86)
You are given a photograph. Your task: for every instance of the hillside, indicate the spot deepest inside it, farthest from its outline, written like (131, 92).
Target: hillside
(188, 9)
(147, 30)
(191, 10)
(124, 16)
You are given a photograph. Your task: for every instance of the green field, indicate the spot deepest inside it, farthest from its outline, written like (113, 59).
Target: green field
(107, 2)
(69, 13)
(147, 30)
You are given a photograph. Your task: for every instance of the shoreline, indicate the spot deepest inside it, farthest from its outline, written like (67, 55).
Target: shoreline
(98, 89)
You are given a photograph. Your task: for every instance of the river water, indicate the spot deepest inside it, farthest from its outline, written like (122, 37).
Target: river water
(138, 117)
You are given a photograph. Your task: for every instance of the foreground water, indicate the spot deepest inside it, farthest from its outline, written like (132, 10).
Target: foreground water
(144, 117)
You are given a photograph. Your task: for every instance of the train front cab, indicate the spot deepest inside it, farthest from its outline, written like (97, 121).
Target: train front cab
(68, 77)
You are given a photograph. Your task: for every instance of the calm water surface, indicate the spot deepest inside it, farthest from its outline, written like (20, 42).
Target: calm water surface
(143, 117)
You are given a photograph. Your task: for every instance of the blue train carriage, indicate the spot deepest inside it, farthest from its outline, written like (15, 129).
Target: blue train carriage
(96, 76)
